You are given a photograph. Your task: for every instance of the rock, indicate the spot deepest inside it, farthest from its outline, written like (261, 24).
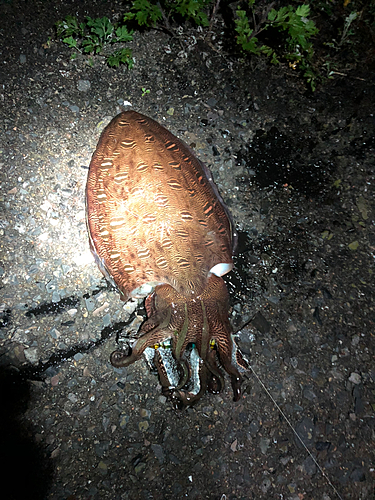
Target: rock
(306, 431)
(31, 355)
(309, 466)
(355, 378)
(265, 485)
(83, 85)
(159, 452)
(143, 426)
(260, 323)
(102, 466)
(264, 444)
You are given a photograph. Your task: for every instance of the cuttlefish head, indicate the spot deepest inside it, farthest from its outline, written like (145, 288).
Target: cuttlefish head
(191, 340)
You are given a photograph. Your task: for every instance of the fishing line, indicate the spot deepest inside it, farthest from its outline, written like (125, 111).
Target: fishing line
(296, 433)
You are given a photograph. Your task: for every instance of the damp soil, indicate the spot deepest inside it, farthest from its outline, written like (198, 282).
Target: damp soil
(296, 170)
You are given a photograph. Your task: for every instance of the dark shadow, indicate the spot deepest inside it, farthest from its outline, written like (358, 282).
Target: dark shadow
(25, 469)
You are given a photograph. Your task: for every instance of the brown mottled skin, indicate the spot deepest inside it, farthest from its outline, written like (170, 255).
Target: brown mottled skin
(155, 216)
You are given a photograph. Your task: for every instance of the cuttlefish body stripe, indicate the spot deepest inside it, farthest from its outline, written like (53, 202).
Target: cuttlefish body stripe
(175, 165)
(155, 217)
(186, 216)
(161, 200)
(173, 184)
(142, 167)
(117, 222)
(161, 262)
(182, 234)
(128, 143)
(143, 253)
(120, 177)
(166, 243)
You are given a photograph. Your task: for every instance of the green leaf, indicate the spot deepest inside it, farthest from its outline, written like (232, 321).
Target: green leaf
(295, 44)
(303, 10)
(123, 35)
(274, 59)
(272, 15)
(69, 26)
(90, 44)
(102, 27)
(266, 50)
(71, 42)
(146, 13)
(192, 9)
(123, 56)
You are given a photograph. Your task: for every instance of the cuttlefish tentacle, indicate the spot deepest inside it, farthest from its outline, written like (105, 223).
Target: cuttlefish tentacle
(208, 374)
(153, 331)
(209, 378)
(215, 383)
(182, 368)
(170, 320)
(233, 364)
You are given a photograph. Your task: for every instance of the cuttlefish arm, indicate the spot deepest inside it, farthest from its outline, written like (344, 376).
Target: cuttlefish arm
(202, 322)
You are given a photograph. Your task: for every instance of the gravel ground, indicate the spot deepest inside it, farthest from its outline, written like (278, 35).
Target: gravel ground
(297, 172)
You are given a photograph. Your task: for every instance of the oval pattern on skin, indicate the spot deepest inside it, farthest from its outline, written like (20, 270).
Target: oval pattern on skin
(156, 218)
(140, 206)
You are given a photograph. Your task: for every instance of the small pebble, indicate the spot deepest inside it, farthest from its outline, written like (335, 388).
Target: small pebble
(139, 467)
(355, 378)
(83, 85)
(106, 320)
(72, 397)
(143, 426)
(102, 467)
(159, 452)
(211, 101)
(124, 419)
(294, 362)
(265, 485)
(90, 304)
(31, 355)
(264, 444)
(85, 411)
(145, 413)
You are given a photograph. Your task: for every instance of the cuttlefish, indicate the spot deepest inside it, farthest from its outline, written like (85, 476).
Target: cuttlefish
(159, 228)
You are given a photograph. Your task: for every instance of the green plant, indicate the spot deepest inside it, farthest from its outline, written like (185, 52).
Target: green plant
(150, 12)
(93, 35)
(294, 27)
(144, 12)
(145, 91)
(121, 56)
(345, 33)
(280, 34)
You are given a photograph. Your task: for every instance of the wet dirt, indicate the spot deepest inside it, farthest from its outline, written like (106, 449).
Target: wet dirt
(297, 172)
